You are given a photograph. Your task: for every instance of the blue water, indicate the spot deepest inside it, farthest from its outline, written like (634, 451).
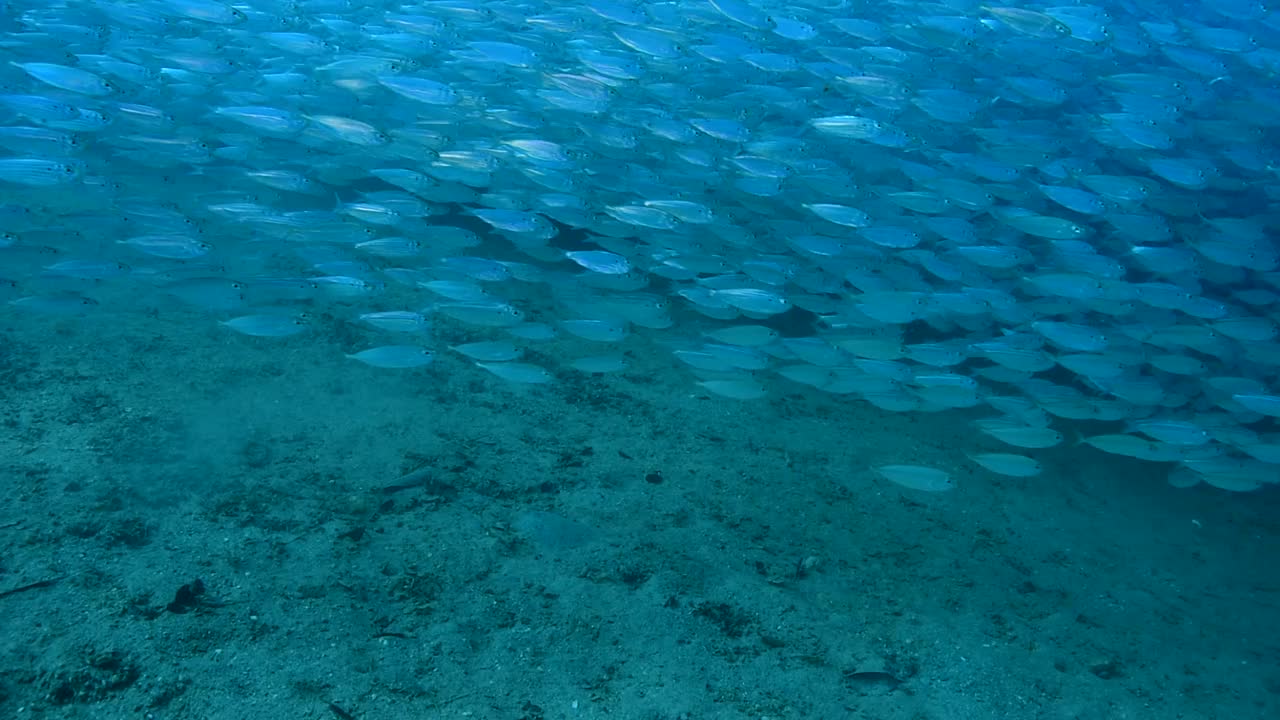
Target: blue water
(737, 260)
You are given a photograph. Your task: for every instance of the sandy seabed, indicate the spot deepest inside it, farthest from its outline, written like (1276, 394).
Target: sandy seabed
(207, 526)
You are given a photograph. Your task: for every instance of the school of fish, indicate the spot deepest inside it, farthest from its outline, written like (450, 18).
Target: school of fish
(1056, 213)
